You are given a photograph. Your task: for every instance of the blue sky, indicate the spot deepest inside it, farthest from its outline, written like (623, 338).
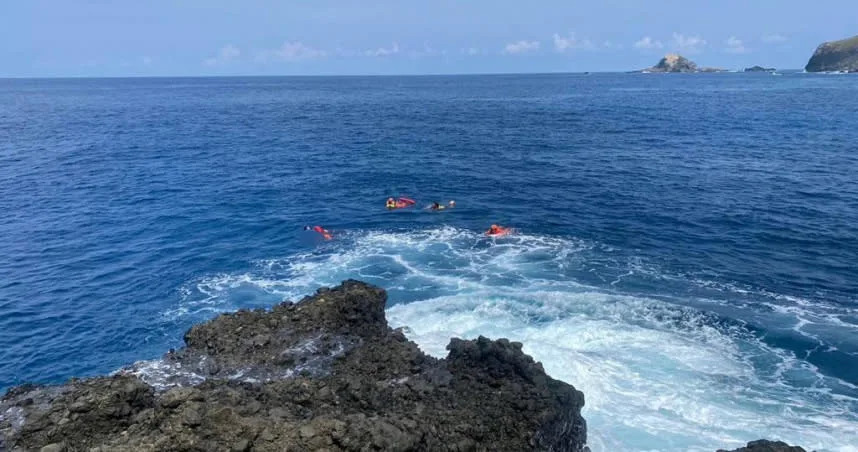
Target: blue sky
(218, 37)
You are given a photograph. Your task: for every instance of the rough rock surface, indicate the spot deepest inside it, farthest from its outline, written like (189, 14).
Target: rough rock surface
(764, 445)
(326, 373)
(677, 63)
(759, 69)
(835, 56)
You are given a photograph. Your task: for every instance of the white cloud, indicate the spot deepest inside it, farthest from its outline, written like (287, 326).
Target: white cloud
(647, 43)
(687, 44)
(290, 51)
(564, 43)
(470, 51)
(427, 51)
(226, 54)
(774, 39)
(341, 52)
(383, 51)
(735, 45)
(296, 50)
(522, 46)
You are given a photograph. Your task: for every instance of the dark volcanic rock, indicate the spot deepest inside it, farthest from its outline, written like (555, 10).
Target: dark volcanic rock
(835, 56)
(759, 69)
(764, 445)
(324, 373)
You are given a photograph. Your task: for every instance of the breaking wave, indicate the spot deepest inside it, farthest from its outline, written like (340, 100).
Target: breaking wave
(690, 369)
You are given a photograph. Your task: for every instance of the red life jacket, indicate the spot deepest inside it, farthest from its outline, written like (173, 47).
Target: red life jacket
(327, 235)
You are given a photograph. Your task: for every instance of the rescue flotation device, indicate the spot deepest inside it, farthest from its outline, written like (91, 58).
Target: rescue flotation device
(400, 203)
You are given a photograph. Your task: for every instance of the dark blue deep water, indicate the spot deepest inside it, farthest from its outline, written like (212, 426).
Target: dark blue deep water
(686, 249)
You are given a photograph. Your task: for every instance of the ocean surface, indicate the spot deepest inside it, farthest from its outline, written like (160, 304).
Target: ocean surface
(686, 255)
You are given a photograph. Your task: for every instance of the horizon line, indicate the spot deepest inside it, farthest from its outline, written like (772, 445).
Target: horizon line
(439, 74)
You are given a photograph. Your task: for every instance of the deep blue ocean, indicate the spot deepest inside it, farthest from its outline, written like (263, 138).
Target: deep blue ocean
(685, 254)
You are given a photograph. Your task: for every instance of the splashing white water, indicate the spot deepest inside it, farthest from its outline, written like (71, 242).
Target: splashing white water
(656, 375)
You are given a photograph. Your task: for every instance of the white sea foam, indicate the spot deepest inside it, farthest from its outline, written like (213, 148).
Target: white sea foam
(653, 378)
(163, 375)
(657, 375)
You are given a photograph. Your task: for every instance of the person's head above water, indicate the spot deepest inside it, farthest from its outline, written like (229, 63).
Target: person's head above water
(307, 228)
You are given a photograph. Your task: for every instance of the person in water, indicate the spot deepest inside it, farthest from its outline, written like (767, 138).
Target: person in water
(497, 230)
(322, 231)
(437, 206)
(400, 203)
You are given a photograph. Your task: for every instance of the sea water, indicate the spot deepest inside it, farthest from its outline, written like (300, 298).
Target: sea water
(685, 253)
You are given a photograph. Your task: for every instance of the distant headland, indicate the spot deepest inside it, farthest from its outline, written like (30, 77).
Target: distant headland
(835, 56)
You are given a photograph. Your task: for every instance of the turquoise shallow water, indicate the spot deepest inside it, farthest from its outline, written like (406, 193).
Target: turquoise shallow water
(685, 253)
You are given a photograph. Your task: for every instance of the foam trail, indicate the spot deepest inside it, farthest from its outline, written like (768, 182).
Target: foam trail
(656, 374)
(653, 379)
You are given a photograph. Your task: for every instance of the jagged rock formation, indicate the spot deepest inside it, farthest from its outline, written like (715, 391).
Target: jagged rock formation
(677, 63)
(759, 69)
(835, 56)
(323, 373)
(674, 63)
(764, 445)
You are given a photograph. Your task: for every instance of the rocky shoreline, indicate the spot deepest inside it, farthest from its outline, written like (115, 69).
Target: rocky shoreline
(325, 373)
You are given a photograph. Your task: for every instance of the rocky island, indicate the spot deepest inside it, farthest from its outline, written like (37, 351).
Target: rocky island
(835, 56)
(759, 69)
(325, 373)
(677, 63)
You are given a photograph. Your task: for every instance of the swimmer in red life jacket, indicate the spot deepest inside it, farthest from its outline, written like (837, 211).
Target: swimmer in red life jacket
(399, 203)
(497, 231)
(322, 231)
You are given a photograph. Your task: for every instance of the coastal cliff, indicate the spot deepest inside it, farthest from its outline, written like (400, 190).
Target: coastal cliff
(835, 56)
(324, 373)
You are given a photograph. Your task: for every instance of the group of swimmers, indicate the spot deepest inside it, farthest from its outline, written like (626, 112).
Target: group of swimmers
(402, 203)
